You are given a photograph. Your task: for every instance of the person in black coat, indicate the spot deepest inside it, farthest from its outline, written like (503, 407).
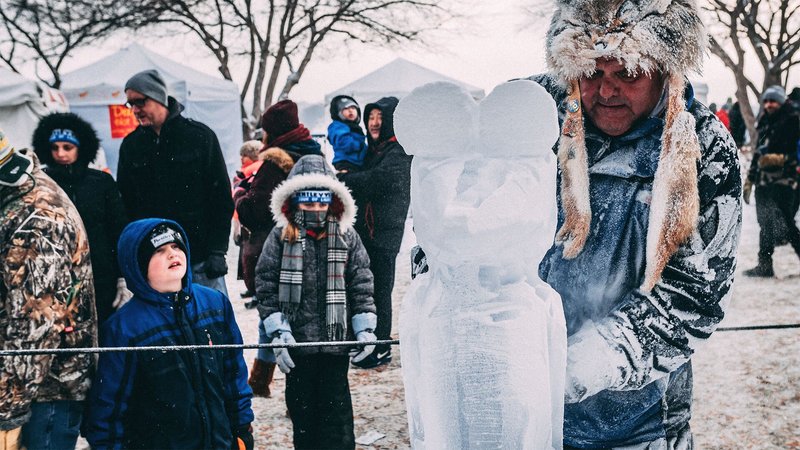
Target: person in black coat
(773, 173)
(172, 167)
(382, 190)
(67, 144)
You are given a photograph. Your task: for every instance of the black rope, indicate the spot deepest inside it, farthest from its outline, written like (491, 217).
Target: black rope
(172, 348)
(760, 327)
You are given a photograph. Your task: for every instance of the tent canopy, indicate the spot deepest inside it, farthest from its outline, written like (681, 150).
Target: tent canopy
(22, 103)
(96, 92)
(398, 78)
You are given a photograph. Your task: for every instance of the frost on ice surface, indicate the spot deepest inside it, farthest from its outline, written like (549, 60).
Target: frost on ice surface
(484, 339)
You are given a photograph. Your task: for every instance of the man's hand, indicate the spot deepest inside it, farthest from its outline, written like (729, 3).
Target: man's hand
(123, 294)
(282, 357)
(747, 190)
(215, 265)
(592, 365)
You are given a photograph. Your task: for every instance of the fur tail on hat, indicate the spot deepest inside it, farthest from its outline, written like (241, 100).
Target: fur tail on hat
(675, 204)
(574, 177)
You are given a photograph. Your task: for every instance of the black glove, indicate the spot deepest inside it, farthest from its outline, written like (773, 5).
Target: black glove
(243, 439)
(216, 266)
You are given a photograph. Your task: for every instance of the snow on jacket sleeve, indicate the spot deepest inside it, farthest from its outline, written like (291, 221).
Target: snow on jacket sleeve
(237, 392)
(268, 271)
(112, 387)
(359, 279)
(652, 334)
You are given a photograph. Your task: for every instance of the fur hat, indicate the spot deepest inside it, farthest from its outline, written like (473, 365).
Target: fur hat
(54, 126)
(653, 36)
(279, 119)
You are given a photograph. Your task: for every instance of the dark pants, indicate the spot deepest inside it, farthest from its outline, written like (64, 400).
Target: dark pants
(53, 425)
(775, 202)
(382, 265)
(318, 398)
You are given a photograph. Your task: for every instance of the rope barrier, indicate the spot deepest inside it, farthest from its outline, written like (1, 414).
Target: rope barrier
(173, 348)
(760, 327)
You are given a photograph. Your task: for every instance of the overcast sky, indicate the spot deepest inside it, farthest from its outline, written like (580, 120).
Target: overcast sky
(496, 45)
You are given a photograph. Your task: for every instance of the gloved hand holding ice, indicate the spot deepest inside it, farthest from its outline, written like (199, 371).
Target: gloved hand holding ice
(483, 338)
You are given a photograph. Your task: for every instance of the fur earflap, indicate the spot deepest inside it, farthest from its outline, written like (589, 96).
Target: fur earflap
(82, 130)
(675, 203)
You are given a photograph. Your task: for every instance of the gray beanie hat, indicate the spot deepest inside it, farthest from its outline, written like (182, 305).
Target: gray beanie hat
(149, 83)
(774, 92)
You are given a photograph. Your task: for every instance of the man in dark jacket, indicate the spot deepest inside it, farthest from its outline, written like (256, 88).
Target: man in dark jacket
(172, 167)
(649, 218)
(382, 190)
(773, 171)
(167, 400)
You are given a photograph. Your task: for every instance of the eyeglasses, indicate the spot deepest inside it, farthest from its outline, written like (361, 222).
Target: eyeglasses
(138, 102)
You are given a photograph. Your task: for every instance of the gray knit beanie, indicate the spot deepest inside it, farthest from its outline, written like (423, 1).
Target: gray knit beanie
(150, 84)
(774, 92)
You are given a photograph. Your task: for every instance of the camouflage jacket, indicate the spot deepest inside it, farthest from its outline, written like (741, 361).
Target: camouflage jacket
(47, 294)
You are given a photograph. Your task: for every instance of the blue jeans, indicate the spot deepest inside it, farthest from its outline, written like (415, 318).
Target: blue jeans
(264, 354)
(199, 277)
(53, 425)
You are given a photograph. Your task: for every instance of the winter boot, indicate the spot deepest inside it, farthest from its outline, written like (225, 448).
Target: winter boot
(261, 377)
(763, 269)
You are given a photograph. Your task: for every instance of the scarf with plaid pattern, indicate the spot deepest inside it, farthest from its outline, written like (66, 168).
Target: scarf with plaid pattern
(290, 285)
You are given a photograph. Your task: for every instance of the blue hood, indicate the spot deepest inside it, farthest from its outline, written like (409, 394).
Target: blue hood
(127, 256)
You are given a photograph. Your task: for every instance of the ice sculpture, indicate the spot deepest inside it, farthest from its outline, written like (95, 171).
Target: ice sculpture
(483, 339)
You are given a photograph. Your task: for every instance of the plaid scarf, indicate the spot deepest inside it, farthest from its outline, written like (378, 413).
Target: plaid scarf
(291, 278)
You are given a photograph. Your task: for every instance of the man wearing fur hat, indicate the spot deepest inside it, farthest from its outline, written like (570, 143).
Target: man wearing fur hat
(773, 171)
(649, 217)
(172, 167)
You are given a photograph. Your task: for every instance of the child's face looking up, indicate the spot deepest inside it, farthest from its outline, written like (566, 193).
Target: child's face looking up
(167, 268)
(313, 206)
(350, 113)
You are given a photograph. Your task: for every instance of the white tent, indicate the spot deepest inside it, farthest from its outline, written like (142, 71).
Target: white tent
(700, 91)
(396, 79)
(95, 92)
(22, 103)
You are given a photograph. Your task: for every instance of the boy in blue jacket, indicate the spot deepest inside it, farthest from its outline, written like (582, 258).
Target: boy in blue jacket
(345, 134)
(175, 399)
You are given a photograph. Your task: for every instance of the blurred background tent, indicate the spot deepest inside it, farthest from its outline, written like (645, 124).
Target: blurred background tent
(95, 92)
(22, 103)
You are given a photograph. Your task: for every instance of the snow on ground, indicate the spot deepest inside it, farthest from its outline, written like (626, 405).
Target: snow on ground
(747, 383)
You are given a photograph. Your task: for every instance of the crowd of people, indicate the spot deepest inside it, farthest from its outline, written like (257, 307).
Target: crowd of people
(648, 179)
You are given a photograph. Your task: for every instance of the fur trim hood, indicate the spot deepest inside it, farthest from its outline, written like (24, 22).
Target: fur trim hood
(82, 130)
(277, 156)
(309, 172)
(654, 36)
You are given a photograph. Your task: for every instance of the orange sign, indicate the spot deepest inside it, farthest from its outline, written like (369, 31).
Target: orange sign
(122, 121)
